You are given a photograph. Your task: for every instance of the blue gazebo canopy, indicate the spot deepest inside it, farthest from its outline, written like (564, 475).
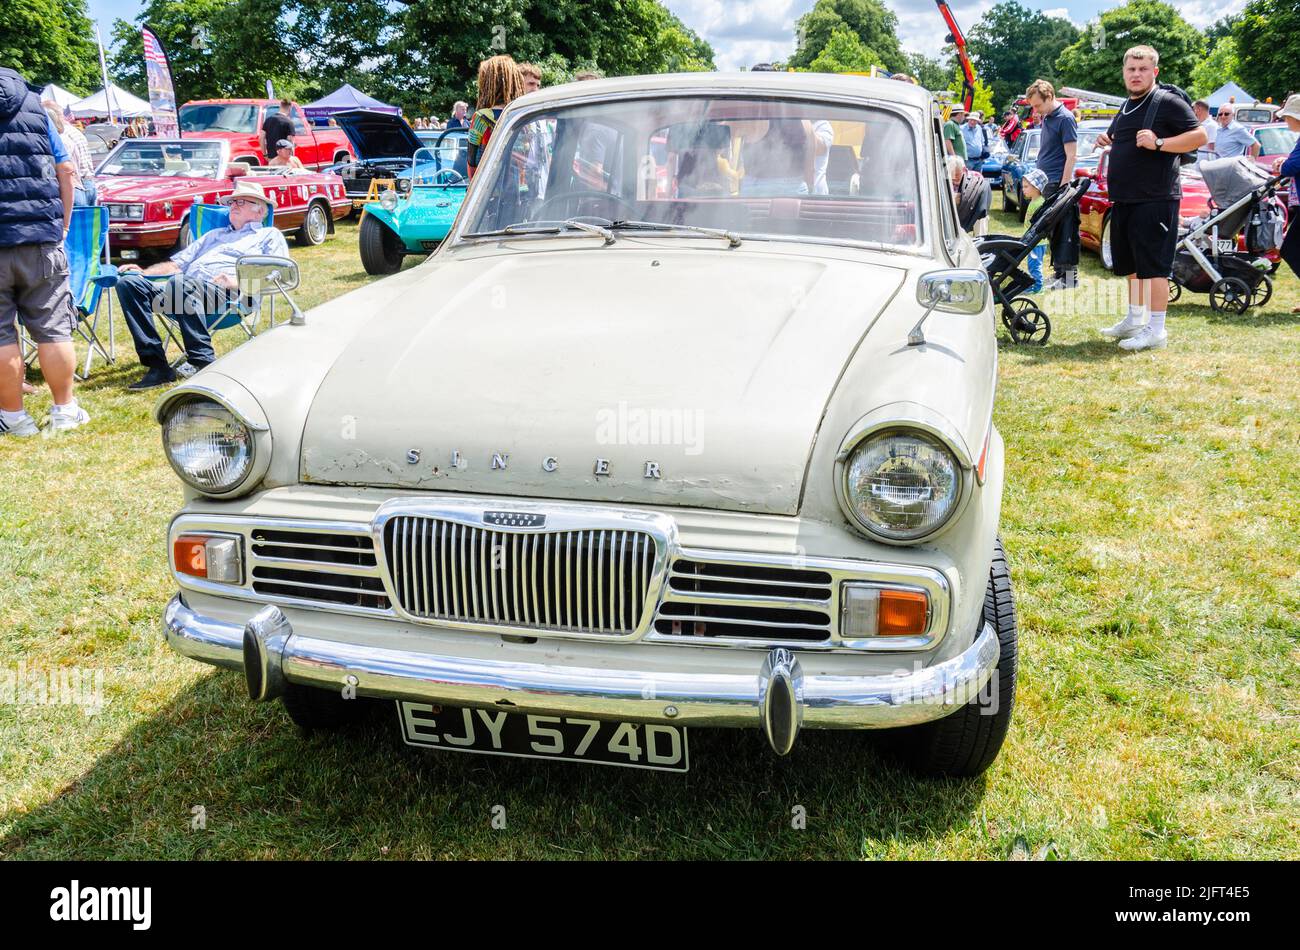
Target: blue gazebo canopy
(343, 98)
(1229, 90)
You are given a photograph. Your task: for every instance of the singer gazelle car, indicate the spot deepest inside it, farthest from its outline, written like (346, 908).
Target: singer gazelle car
(664, 436)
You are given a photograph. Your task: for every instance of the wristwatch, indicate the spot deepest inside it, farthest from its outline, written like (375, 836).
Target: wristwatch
(1160, 143)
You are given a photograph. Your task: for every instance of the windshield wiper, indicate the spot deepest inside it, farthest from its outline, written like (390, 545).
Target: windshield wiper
(548, 227)
(732, 237)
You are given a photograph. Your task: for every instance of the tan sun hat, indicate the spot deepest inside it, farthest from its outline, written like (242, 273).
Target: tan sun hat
(249, 189)
(1292, 107)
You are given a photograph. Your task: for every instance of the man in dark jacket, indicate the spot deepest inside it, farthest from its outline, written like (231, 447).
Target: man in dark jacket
(35, 211)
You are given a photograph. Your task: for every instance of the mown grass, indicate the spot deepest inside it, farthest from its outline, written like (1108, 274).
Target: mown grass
(1152, 518)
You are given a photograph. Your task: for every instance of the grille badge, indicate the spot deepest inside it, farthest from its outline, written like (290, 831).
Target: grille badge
(514, 519)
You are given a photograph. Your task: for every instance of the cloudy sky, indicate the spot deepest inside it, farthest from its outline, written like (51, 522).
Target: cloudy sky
(750, 31)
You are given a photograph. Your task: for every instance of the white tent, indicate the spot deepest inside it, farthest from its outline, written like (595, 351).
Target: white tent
(53, 93)
(124, 105)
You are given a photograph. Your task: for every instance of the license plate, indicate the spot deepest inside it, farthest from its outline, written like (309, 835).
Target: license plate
(637, 745)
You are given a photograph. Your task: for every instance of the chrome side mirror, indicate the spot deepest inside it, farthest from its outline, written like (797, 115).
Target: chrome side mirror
(961, 290)
(258, 274)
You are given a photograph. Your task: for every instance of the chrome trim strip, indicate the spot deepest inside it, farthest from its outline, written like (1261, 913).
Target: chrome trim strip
(904, 697)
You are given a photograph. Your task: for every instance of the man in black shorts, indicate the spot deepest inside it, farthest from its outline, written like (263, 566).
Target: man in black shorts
(1145, 193)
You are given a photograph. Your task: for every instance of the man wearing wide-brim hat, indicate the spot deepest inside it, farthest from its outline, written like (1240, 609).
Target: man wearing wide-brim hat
(953, 142)
(201, 282)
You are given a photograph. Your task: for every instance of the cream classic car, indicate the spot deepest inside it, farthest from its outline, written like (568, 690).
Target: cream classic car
(688, 423)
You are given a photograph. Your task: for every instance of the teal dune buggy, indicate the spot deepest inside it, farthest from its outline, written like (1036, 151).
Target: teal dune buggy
(417, 216)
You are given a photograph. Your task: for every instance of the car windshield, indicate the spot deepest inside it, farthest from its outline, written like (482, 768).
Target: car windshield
(1254, 116)
(1276, 141)
(751, 166)
(218, 117)
(1086, 150)
(165, 159)
(440, 166)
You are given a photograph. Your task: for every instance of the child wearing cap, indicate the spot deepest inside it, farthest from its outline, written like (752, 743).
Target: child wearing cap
(1034, 183)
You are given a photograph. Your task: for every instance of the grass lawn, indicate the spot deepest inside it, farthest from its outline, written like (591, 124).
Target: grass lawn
(1152, 519)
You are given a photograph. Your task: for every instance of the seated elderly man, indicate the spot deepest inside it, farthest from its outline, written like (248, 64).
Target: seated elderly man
(202, 281)
(973, 195)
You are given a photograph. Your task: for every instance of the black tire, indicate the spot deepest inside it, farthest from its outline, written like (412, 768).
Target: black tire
(1028, 323)
(1175, 290)
(1230, 295)
(381, 250)
(182, 239)
(1020, 201)
(965, 743)
(1007, 203)
(1263, 292)
(312, 708)
(315, 227)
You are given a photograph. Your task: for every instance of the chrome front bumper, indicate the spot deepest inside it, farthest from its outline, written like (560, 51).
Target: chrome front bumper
(778, 697)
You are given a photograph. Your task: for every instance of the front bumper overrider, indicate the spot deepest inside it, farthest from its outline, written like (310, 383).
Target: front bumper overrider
(778, 696)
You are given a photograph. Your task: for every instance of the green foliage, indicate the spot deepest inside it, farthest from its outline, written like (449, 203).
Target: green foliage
(1096, 60)
(1222, 65)
(844, 53)
(1012, 46)
(50, 41)
(1268, 42)
(930, 73)
(870, 20)
(982, 101)
(421, 56)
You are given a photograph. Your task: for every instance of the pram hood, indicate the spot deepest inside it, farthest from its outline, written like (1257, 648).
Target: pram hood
(1231, 179)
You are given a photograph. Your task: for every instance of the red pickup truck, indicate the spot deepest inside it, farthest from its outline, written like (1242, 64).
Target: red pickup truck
(238, 121)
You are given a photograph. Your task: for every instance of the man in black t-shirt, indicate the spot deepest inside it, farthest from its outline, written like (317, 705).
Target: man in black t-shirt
(277, 126)
(1151, 130)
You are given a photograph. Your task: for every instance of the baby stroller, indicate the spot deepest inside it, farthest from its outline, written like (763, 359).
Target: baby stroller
(1208, 259)
(1002, 256)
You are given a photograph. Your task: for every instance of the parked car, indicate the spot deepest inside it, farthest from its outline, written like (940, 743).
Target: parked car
(237, 122)
(1095, 205)
(416, 219)
(1023, 158)
(616, 462)
(1252, 114)
(149, 185)
(382, 146)
(1275, 141)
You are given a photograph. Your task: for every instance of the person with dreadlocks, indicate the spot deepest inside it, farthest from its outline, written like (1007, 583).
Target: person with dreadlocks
(499, 82)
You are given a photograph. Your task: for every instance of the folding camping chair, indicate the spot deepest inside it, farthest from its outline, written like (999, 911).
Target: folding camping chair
(89, 272)
(239, 311)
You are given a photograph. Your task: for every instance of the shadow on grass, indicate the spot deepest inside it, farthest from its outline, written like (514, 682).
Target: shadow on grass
(268, 791)
(1082, 351)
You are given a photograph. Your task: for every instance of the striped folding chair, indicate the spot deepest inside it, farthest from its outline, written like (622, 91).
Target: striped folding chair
(89, 272)
(239, 312)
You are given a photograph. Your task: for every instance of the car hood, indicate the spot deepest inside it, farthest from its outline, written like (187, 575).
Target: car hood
(559, 374)
(378, 134)
(148, 188)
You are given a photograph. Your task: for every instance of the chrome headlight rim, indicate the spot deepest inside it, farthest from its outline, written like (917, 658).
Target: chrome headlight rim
(923, 433)
(258, 438)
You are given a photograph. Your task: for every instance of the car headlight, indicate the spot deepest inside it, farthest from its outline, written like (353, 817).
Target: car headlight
(388, 200)
(207, 445)
(126, 212)
(901, 484)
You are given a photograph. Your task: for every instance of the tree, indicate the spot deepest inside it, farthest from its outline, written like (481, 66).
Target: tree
(1012, 46)
(1268, 43)
(50, 41)
(929, 72)
(1096, 60)
(1215, 69)
(844, 53)
(870, 20)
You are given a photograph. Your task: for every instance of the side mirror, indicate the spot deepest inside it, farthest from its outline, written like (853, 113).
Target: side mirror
(257, 275)
(952, 291)
(236, 169)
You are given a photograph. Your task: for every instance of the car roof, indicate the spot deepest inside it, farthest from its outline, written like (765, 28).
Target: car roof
(798, 84)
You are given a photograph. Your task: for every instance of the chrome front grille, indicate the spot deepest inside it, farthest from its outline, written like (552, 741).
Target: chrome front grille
(582, 581)
(731, 599)
(320, 566)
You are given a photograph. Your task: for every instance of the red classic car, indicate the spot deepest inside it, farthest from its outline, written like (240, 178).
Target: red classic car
(148, 186)
(1094, 207)
(237, 122)
(1275, 141)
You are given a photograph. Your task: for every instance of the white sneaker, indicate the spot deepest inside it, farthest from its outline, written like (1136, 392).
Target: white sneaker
(1122, 330)
(1146, 339)
(23, 427)
(186, 370)
(68, 420)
